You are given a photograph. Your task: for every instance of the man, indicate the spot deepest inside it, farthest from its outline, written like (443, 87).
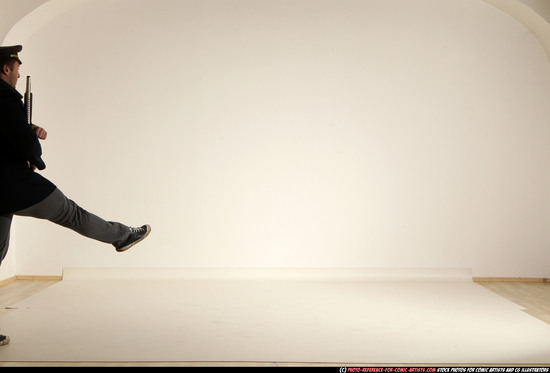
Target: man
(23, 191)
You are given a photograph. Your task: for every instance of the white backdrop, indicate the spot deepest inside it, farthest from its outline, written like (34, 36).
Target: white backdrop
(292, 133)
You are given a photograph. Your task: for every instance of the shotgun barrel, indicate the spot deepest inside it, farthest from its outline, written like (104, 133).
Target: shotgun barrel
(28, 101)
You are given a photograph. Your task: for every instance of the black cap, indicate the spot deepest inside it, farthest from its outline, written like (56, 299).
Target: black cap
(11, 52)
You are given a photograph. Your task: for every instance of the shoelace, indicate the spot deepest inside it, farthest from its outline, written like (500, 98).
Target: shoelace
(136, 230)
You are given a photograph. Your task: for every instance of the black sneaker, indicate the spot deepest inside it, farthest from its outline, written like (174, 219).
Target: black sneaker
(136, 235)
(4, 340)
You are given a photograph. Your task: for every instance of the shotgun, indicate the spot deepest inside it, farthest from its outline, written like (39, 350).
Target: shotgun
(28, 101)
(36, 159)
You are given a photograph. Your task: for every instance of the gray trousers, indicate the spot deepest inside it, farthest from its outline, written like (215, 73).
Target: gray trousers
(60, 210)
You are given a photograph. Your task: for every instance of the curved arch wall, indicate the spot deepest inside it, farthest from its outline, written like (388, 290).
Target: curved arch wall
(331, 134)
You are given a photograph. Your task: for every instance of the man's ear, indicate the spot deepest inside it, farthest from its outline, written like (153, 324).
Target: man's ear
(5, 70)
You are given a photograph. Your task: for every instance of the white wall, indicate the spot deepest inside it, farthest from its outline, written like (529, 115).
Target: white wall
(294, 133)
(542, 7)
(13, 11)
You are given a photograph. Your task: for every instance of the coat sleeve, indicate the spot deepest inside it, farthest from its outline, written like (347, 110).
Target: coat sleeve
(19, 132)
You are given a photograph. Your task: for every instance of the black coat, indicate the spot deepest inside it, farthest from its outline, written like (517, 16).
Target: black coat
(20, 186)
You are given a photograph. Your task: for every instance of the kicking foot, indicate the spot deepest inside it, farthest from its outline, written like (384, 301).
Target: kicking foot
(4, 340)
(136, 235)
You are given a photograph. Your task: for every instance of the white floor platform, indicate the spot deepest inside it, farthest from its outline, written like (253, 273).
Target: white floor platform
(297, 319)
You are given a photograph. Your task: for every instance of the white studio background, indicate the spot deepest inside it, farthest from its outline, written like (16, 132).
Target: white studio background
(293, 134)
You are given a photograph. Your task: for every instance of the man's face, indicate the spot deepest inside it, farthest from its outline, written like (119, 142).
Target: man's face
(11, 75)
